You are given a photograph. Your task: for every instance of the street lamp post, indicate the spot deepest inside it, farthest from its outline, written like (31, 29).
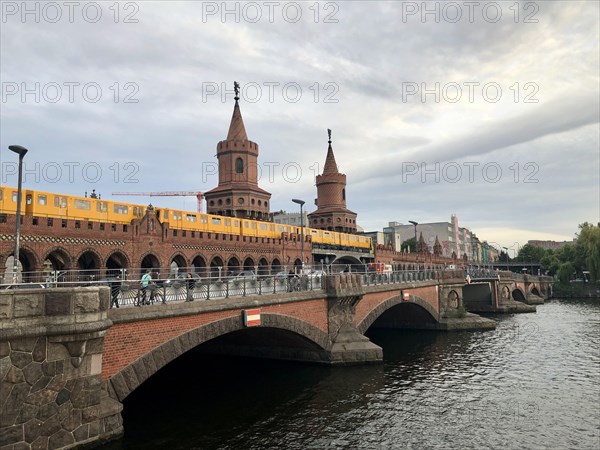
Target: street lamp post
(416, 246)
(301, 203)
(21, 151)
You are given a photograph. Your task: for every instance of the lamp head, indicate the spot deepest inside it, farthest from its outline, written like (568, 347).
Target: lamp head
(299, 202)
(413, 222)
(18, 149)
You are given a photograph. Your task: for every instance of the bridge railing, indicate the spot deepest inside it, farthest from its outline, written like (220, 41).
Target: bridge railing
(407, 276)
(126, 293)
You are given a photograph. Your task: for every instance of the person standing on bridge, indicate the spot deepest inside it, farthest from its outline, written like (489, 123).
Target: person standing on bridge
(190, 283)
(115, 288)
(145, 281)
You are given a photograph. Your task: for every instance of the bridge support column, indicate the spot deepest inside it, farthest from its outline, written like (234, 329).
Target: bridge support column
(51, 344)
(348, 345)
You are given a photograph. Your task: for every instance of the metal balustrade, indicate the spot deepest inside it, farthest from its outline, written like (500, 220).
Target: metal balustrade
(129, 292)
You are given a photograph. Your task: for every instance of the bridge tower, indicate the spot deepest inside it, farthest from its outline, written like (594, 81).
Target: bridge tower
(238, 194)
(331, 213)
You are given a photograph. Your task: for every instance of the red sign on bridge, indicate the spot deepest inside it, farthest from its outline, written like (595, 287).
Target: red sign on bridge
(251, 317)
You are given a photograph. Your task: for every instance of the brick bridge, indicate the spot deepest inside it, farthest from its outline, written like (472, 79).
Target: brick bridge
(68, 361)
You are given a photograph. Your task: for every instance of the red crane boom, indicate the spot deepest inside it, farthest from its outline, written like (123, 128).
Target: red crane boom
(199, 195)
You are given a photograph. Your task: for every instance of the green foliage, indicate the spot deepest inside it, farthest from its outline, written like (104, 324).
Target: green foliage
(412, 243)
(570, 260)
(588, 247)
(565, 272)
(530, 253)
(503, 257)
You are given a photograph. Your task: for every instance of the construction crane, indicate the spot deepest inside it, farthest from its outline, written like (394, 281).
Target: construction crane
(199, 195)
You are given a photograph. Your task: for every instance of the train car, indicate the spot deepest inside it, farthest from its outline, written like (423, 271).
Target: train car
(60, 206)
(195, 221)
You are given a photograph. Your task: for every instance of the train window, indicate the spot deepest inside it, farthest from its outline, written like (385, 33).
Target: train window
(227, 222)
(279, 228)
(190, 217)
(120, 209)
(216, 221)
(254, 225)
(101, 206)
(177, 215)
(203, 219)
(82, 204)
(42, 200)
(263, 226)
(236, 223)
(29, 199)
(14, 196)
(0, 194)
(60, 202)
(313, 232)
(245, 224)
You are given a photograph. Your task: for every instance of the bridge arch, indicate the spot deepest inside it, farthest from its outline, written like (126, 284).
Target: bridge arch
(199, 264)
(518, 294)
(133, 375)
(534, 291)
(59, 258)
(417, 305)
(117, 260)
(89, 259)
(150, 261)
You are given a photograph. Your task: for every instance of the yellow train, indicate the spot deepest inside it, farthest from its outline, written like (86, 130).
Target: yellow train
(52, 205)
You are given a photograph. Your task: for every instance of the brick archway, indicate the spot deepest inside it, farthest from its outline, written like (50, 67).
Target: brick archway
(384, 306)
(122, 383)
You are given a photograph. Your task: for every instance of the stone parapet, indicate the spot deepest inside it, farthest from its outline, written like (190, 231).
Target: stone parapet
(51, 344)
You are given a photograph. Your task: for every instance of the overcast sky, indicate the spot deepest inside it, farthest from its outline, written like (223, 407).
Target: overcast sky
(488, 110)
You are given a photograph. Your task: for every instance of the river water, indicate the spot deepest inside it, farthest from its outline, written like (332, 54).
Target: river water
(533, 383)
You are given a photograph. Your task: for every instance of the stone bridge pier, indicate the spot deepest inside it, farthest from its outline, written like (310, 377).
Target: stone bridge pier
(51, 344)
(348, 345)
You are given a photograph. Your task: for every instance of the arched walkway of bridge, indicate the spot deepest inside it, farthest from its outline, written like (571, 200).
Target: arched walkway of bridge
(518, 295)
(279, 336)
(396, 313)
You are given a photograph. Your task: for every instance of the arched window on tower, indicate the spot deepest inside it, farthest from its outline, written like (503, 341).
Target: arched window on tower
(344, 194)
(239, 165)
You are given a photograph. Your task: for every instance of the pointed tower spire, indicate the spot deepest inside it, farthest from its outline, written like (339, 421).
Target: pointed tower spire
(238, 193)
(237, 130)
(330, 164)
(331, 213)
(437, 247)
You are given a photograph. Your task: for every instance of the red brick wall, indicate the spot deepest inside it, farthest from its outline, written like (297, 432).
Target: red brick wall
(371, 300)
(126, 342)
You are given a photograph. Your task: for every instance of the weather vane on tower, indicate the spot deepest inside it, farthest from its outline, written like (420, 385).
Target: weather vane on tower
(236, 89)
(329, 133)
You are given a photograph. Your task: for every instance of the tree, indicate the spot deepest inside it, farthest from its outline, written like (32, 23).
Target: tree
(504, 257)
(565, 271)
(409, 243)
(530, 253)
(588, 249)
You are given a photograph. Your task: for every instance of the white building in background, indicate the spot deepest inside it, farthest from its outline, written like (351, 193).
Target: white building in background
(286, 218)
(453, 238)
